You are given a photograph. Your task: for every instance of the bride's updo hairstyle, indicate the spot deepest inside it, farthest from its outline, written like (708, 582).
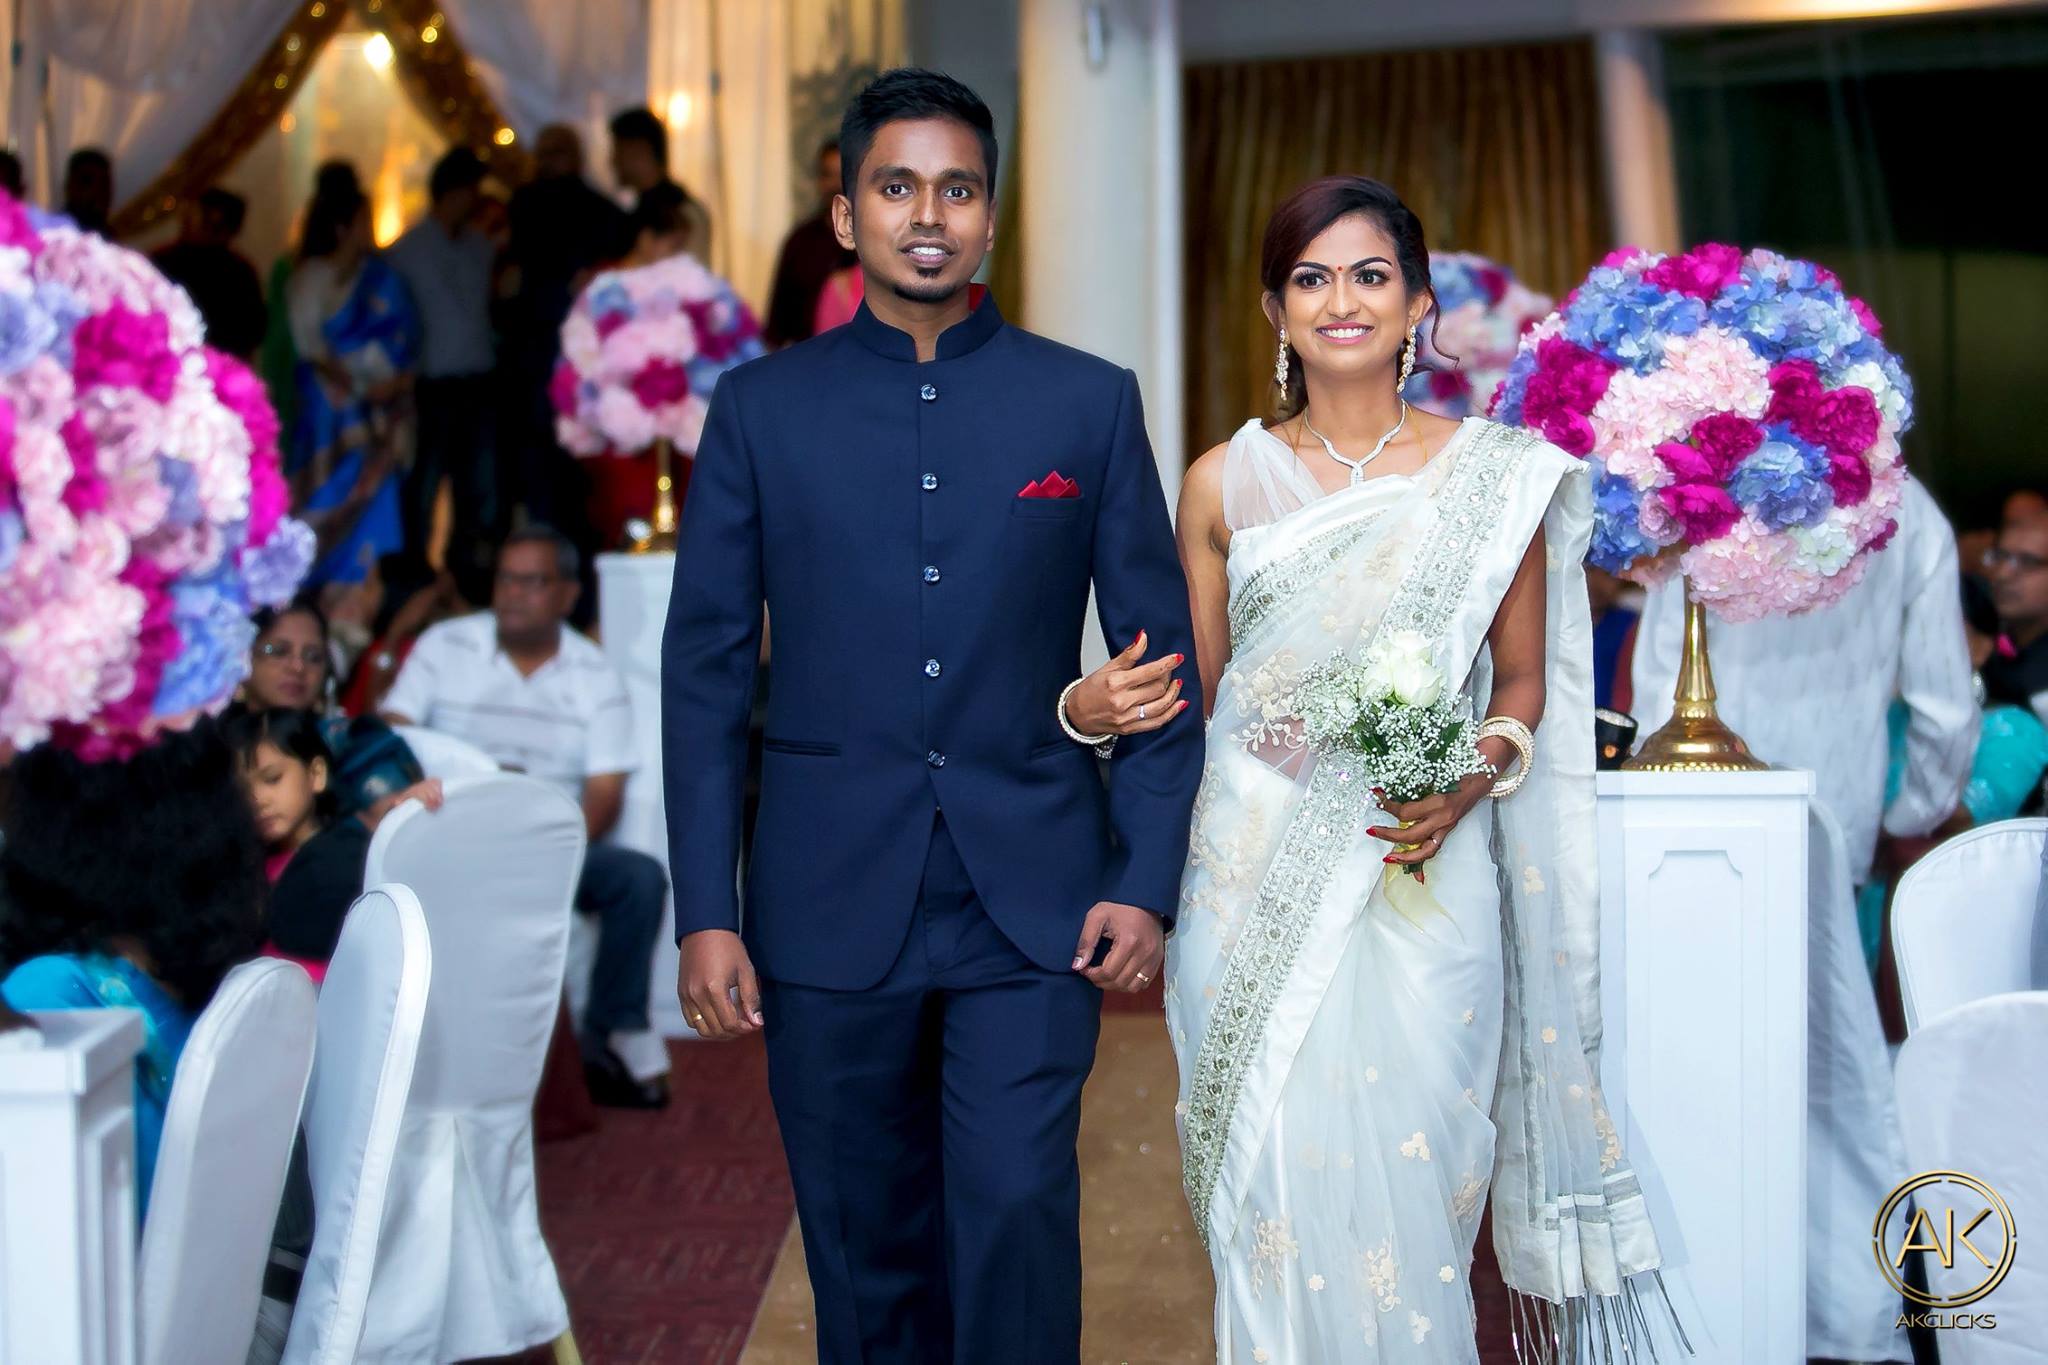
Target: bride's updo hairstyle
(1302, 218)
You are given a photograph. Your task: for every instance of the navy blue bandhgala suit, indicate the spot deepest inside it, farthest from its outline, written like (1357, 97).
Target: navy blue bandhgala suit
(928, 841)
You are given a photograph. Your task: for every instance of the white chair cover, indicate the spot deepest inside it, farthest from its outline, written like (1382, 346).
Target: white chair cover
(227, 1139)
(1963, 919)
(372, 1006)
(1971, 1100)
(462, 1270)
(445, 756)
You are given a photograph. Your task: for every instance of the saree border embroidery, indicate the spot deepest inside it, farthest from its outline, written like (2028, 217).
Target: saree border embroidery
(1285, 577)
(1322, 828)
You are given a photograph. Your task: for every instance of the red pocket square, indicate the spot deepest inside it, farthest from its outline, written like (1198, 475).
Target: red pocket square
(1053, 485)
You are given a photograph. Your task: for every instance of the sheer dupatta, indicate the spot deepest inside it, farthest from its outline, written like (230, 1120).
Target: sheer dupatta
(1282, 885)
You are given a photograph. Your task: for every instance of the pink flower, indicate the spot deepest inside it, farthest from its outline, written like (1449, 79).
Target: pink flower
(121, 348)
(1569, 431)
(1884, 537)
(1795, 387)
(1448, 384)
(6, 444)
(243, 394)
(1686, 464)
(1865, 316)
(1725, 440)
(1850, 478)
(660, 383)
(607, 323)
(1704, 511)
(15, 229)
(1702, 272)
(562, 387)
(1622, 257)
(1844, 420)
(1494, 281)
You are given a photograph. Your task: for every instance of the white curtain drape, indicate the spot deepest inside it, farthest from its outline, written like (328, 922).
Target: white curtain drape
(749, 88)
(138, 80)
(546, 62)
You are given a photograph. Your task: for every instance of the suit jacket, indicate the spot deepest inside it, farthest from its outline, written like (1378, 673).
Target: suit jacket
(925, 618)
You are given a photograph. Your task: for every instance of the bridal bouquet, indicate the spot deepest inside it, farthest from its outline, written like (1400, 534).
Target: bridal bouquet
(1482, 311)
(1394, 711)
(141, 505)
(1742, 416)
(641, 350)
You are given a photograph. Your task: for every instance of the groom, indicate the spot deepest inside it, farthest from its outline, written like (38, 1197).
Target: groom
(942, 882)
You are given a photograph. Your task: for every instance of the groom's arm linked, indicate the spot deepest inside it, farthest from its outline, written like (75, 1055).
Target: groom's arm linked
(1153, 777)
(709, 652)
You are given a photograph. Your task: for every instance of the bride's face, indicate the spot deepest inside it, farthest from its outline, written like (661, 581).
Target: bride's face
(1345, 305)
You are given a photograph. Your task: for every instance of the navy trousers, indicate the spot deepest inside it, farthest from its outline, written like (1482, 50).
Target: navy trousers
(930, 1124)
(624, 889)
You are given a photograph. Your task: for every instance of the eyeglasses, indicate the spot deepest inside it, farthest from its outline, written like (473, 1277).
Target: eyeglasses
(312, 656)
(2019, 561)
(527, 582)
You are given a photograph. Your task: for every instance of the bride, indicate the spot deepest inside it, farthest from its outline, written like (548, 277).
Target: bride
(1359, 1074)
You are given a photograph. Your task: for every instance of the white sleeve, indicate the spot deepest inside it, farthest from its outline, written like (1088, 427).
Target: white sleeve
(1934, 679)
(610, 746)
(419, 681)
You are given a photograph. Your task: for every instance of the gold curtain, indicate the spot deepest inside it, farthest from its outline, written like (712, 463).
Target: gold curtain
(430, 63)
(1497, 150)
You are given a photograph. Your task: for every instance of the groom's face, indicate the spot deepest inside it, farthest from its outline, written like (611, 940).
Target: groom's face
(921, 218)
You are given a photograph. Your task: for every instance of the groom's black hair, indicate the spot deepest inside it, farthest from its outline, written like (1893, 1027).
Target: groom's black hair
(911, 92)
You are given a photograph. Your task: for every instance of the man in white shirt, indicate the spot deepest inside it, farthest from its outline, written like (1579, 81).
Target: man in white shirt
(1812, 692)
(447, 263)
(543, 700)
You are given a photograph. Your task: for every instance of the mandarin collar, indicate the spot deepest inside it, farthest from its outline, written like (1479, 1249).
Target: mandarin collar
(962, 338)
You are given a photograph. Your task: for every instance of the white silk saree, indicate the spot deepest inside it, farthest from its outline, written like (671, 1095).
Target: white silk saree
(1356, 1082)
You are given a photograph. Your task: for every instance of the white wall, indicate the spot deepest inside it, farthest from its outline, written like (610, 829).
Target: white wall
(974, 41)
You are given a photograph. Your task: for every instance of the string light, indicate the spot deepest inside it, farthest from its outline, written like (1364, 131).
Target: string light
(505, 137)
(377, 52)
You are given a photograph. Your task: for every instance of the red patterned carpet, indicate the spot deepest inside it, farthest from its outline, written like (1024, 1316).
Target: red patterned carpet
(665, 1226)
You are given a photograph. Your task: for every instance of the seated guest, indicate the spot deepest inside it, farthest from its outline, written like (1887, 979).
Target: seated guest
(542, 699)
(134, 883)
(2017, 568)
(314, 854)
(372, 770)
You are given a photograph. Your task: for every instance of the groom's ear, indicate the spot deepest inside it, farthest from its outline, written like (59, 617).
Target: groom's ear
(842, 221)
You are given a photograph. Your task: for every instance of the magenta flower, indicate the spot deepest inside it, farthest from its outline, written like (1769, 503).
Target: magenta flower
(1725, 440)
(1849, 476)
(121, 348)
(15, 228)
(660, 383)
(1702, 272)
(1795, 388)
(1844, 420)
(1865, 316)
(562, 387)
(1702, 510)
(1687, 464)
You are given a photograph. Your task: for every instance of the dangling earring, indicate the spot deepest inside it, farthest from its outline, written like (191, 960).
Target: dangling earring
(1280, 366)
(1407, 362)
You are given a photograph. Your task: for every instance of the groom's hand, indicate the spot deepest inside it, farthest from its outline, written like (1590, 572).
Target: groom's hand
(1137, 947)
(715, 969)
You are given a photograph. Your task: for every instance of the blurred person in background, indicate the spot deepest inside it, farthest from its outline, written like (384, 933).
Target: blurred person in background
(811, 257)
(89, 189)
(2017, 570)
(222, 283)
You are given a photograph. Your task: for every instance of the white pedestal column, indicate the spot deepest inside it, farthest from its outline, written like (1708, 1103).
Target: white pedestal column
(1704, 986)
(633, 605)
(67, 1191)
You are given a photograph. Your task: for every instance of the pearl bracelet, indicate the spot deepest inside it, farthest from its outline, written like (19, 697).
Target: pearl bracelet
(1517, 734)
(1103, 745)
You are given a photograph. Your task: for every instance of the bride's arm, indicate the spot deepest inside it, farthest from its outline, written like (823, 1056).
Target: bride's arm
(1204, 541)
(1517, 641)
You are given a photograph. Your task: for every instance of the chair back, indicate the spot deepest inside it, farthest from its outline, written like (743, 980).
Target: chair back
(373, 1005)
(1963, 920)
(1972, 1103)
(445, 756)
(227, 1139)
(463, 1271)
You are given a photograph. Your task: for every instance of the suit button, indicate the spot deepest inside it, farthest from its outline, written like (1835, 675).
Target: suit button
(929, 482)
(931, 573)
(931, 668)
(935, 759)
(929, 393)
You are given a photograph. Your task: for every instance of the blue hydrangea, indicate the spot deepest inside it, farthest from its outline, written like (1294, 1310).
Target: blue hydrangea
(1517, 385)
(1626, 319)
(608, 296)
(181, 481)
(1784, 481)
(1618, 538)
(26, 331)
(11, 535)
(214, 633)
(1455, 281)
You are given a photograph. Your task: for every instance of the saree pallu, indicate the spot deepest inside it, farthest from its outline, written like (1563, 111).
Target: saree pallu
(340, 441)
(1355, 1081)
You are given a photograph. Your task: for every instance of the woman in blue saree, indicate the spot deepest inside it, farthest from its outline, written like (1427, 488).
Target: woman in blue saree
(357, 336)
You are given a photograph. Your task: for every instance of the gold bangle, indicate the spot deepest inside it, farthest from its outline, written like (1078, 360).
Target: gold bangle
(1518, 735)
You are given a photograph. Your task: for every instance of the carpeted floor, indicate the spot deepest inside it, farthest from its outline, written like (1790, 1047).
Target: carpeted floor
(665, 1226)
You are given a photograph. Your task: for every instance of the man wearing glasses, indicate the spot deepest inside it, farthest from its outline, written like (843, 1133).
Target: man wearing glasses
(2017, 568)
(542, 699)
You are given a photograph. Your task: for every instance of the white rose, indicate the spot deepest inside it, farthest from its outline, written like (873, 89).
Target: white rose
(1416, 681)
(1378, 680)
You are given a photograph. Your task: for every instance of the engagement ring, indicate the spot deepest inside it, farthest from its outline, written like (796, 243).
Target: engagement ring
(1141, 712)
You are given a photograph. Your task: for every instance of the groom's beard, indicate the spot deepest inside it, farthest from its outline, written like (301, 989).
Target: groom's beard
(925, 291)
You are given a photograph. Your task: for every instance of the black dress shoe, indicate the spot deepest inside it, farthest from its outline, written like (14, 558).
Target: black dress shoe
(614, 1086)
